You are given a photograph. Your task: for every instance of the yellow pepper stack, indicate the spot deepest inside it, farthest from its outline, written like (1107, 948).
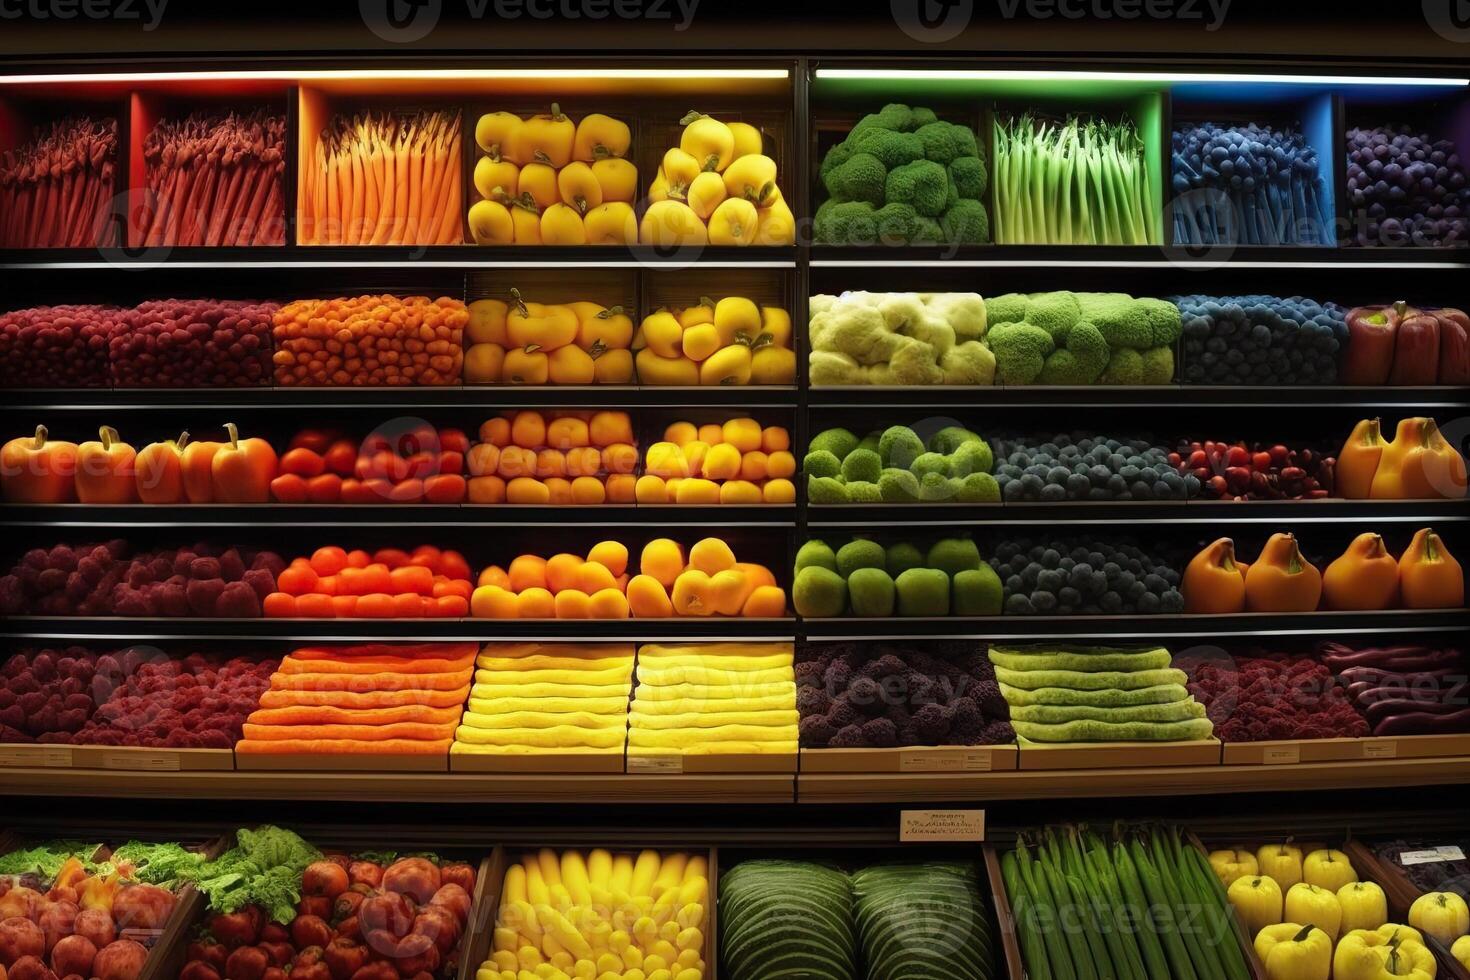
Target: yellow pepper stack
(730, 342)
(523, 343)
(716, 188)
(735, 463)
(601, 915)
(714, 698)
(549, 181)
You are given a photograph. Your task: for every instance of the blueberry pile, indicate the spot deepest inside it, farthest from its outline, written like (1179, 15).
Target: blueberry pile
(1405, 189)
(1260, 340)
(1082, 466)
(1084, 577)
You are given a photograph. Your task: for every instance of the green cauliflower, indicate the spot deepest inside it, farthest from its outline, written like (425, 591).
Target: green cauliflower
(969, 363)
(1168, 326)
(860, 492)
(1137, 324)
(936, 487)
(1055, 312)
(922, 117)
(1158, 365)
(931, 462)
(825, 367)
(906, 314)
(820, 303)
(871, 441)
(894, 149)
(944, 142)
(1007, 308)
(951, 438)
(821, 463)
(969, 176)
(899, 446)
(859, 331)
(1080, 361)
(862, 466)
(1125, 367)
(898, 486)
(966, 223)
(819, 592)
(973, 456)
(951, 193)
(914, 364)
(895, 223)
(839, 442)
(1020, 352)
(966, 313)
(860, 178)
(825, 490)
(844, 223)
(836, 157)
(979, 488)
(895, 116)
(859, 553)
(922, 184)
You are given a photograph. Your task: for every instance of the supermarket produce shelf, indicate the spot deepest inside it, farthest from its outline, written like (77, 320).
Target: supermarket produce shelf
(466, 257)
(1118, 512)
(467, 397)
(1134, 257)
(945, 398)
(395, 515)
(689, 788)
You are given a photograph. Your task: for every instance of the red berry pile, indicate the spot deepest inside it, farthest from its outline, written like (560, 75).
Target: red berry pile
(1274, 696)
(1256, 471)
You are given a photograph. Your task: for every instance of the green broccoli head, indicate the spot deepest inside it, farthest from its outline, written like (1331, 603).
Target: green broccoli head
(836, 156)
(895, 117)
(1080, 362)
(968, 363)
(896, 224)
(899, 446)
(871, 441)
(1055, 312)
(1128, 322)
(844, 223)
(950, 438)
(966, 313)
(862, 466)
(898, 486)
(1164, 318)
(827, 367)
(825, 490)
(922, 117)
(1020, 351)
(926, 231)
(1007, 308)
(973, 456)
(969, 175)
(926, 463)
(936, 487)
(913, 364)
(860, 178)
(861, 492)
(821, 462)
(893, 148)
(839, 442)
(1125, 367)
(966, 223)
(979, 488)
(1158, 365)
(944, 142)
(923, 185)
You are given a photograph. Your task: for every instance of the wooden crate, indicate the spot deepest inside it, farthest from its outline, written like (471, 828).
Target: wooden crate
(346, 762)
(668, 764)
(1119, 755)
(543, 763)
(1401, 893)
(911, 759)
(136, 759)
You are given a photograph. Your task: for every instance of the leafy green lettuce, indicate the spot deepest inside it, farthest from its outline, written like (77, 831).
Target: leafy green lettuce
(263, 868)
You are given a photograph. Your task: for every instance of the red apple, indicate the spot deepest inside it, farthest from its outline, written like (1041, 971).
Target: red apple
(97, 926)
(142, 906)
(458, 873)
(344, 957)
(122, 960)
(388, 911)
(366, 873)
(31, 968)
(309, 930)
(19, 938)
(247, 963)
(455, 899)
(324, 878)
(58, 921)
(73, 954)
(415, 877)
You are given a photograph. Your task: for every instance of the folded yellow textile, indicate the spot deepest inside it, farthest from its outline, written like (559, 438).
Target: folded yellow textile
(680, 705)
(696, 674)
(551, 705)
(537, 719)
(544, 661)
(614, 675)
(663, 651)
(556, 738)
(500, 689)
(715, 719)
(468, 748)
(719, 748)
(716, 692)
(530, 649)
(684, 738)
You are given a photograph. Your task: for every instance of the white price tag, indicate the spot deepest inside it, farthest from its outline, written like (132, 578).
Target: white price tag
(1437, 855)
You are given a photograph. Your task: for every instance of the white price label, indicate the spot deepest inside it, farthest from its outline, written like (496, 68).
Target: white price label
(1437, 855)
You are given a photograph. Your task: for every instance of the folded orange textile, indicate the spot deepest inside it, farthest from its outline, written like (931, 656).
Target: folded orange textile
(291, 697)
(360, 683)
(377, 665)
(358, 733)
(303, 714)
(445, 651)
(343, 746)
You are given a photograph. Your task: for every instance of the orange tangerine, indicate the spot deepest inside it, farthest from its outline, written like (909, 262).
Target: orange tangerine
(568, 432)
(744, 434)
(528, 430)
(558, 490)
(527, 572)
(535, 604)
(496, 431)
(573, 604)
(663, 559)
(680, 432)
(608, 604)
(650, 490)
(647, 598)
(779, 492)
(588, 490)
(766, 601)
(775, 439)
(562, 570)
(525, 490)
(612, 555)
(494, 575)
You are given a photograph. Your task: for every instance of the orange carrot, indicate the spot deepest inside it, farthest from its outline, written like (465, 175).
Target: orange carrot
(344, 177)
(306, 196)
(400, 189)
(319, 191)
(451, 231)
(385, 202)
(354, 219)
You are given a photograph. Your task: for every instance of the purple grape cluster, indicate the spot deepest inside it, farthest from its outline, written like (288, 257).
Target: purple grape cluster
(1405, 189)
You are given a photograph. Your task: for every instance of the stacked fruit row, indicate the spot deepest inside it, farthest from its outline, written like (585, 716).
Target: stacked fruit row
(738, 462)
(714, 699)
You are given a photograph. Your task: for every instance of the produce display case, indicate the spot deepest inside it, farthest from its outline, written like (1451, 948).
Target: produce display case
(1402, 892)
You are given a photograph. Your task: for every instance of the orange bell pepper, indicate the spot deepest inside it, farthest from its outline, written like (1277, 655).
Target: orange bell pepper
(1365, 576)
(161, 471)
(35, 470)
(196, 467)
(1358, 461)
(1282, 580)
(1429, 576)
(105, 470)
(1214, 582)
(1432, 467)
(243, 469)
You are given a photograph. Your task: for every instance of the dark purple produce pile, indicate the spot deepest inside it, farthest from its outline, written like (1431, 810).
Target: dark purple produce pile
(1405, 189)
(1436, 875)
(1405, 690)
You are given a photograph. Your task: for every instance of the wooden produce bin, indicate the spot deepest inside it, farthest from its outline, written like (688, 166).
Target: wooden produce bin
(1279, 752)
(32, 755)
(541, 763)
(733, 763)
(1119, 755)
(135, 759)
(345, 762)
(1401, 893)
(911, 759)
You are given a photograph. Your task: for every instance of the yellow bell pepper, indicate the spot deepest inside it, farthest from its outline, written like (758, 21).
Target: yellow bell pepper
(1367, 955)
(487, 322)
(706, 193)
(618, 179)
(525, 219)
(538, 326)
(1461, 951)
(1230, 865)
(490, 223)
(495, 132)
(545, 138)
(679, 170)
(1328, 869)
(775, 224)
(495, 177)
(1308, 903)
(578, 187)
(1442, 915)
(1281, 862)
(1399, 932)
(562, 225)
(708, 141)
(537, 183)
(747, 138)
(734, 222)
(600, 137)
(613, 223)
(737, 319)
(1292, 952)
(1364, 906)
(752, 178)
(1257, 900)
(672, 223)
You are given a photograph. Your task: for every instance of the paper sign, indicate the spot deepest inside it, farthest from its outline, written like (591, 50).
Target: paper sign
(946, 760)
(1446, 852)
(57, 757)
(1380, 750)
(649, 764)
(941, 825)
(149, 761)
(1281, 755)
